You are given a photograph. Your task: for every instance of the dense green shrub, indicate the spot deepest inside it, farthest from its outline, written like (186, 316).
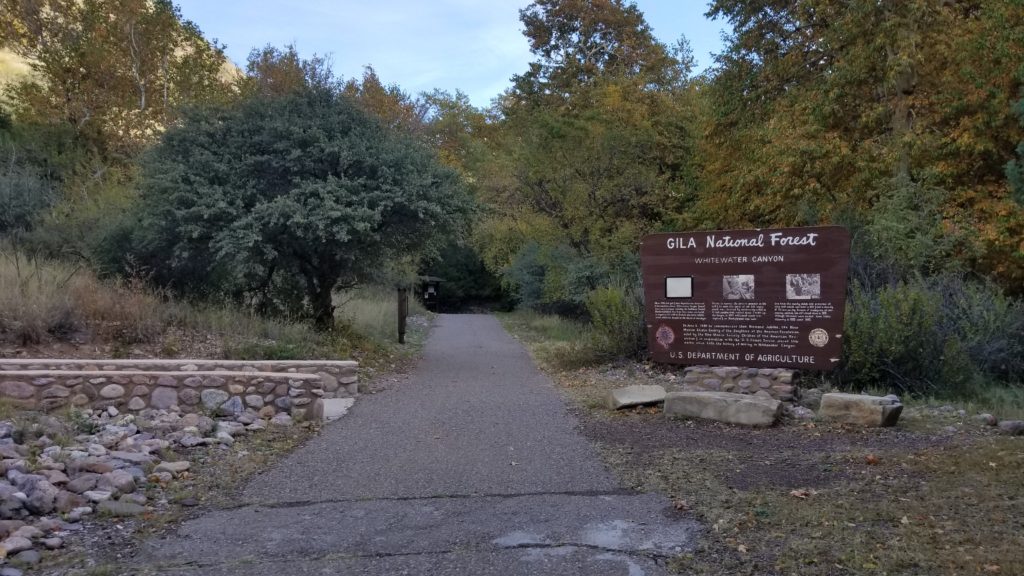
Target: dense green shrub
(525, 277)
(559, 279)
(988, 325)
(32, 166)
(467, 282)
(23, 195)
(616, 314)
(892, 335)
(1015, 168)
(551, 279)
(604, 291)
(943, 335)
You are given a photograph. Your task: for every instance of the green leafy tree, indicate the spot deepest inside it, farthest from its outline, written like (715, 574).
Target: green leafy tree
(303, 187)
(458, 130)
(114, 70)
(389, 102)
(273, 71)
(593, 149)
(820, 108)
(1015, 169)
(578, 42)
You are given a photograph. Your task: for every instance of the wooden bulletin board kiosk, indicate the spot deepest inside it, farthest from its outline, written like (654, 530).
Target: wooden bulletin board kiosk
(752, 298)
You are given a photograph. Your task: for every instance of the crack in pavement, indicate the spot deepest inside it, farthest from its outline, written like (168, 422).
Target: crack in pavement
(306, 503)
(650, 555)
(640, 525)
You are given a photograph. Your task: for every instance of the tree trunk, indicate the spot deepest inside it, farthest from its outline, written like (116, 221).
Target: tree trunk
(320, 291)
(901, 54)
(322, 302)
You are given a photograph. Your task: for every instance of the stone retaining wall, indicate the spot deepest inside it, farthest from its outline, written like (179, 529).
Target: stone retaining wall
(780, 383)
(244, 390)
(342, 368)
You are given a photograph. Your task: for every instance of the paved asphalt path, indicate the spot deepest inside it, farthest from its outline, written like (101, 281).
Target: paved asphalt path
(473, 467)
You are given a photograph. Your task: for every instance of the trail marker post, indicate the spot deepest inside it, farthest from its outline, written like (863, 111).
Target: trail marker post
(403, 313)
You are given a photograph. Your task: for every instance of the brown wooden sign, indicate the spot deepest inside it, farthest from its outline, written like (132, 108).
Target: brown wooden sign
(753, 298)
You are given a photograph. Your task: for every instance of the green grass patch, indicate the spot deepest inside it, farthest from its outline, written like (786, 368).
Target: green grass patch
(1005, 402)
(534, 327)
(373, 311)
(557, 343)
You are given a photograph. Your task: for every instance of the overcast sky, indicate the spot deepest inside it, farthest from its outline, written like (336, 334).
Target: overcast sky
(471, 45)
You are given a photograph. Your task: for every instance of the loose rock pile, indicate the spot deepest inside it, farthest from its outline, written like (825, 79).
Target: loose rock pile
(53, 479)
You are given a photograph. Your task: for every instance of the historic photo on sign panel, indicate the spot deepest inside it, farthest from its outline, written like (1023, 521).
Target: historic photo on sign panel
(803, 286)
(679, 287)
(740, 287)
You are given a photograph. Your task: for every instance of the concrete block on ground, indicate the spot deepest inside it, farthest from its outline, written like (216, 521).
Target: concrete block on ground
(727, 407)
(861, 409)
(638, 395)
(334, 408)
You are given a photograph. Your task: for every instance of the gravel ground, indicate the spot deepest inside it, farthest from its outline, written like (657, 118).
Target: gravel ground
(794, 456)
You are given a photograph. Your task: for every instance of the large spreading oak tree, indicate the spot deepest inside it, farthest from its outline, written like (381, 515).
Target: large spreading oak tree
(302, 189)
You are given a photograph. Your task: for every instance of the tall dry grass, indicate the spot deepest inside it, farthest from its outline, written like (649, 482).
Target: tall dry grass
(42, 299)
(373, 311)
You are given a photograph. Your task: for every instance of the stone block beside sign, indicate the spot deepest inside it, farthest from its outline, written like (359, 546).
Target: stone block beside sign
(724, 407)
(634, 396)
(861, 409)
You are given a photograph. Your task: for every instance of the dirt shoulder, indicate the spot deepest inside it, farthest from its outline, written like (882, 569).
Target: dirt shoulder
(938, 494)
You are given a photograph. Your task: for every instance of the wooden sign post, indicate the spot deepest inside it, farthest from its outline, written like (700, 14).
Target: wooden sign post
(403, 313)
(751, 298)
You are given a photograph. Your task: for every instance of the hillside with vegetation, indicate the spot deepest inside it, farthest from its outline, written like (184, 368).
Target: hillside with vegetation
(93, 264)
(132, 162)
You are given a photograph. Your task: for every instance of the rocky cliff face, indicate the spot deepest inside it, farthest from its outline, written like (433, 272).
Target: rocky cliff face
(12, 66)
